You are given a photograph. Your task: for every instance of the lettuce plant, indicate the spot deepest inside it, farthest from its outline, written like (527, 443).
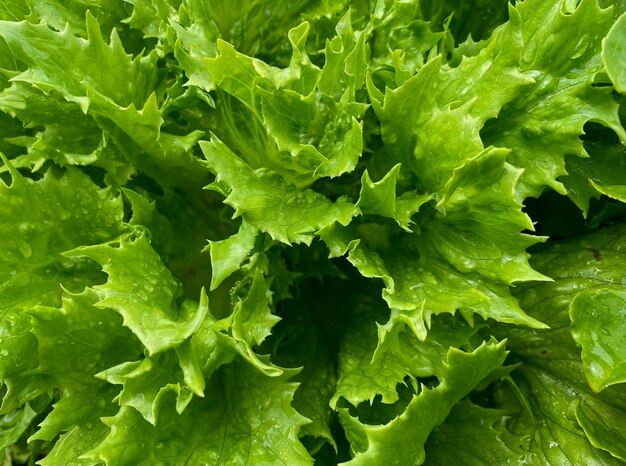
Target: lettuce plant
(385, 232)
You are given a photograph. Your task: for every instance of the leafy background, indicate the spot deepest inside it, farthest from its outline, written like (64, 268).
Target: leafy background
(250, 232)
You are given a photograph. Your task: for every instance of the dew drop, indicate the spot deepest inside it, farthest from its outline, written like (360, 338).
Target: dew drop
(62, 212)
(24, 248)
(581, 47)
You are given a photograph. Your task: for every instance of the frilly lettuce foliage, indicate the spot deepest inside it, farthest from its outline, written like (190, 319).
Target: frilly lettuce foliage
(385, 232)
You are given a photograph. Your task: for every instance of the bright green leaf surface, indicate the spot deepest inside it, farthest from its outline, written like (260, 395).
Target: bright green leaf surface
(458, 261)
(148, 302)
(367, 371)
(424, 117)
(252, 317)
(473, 435)
(552, 377)
(71, 13)
(148, 383)
(379, 198)
(13, 10)
(85, 71)
(14, 425)
(377, 291)
(228, 426)
(401, 441)
(39, 221)
(543, 123)
(198, 40)
(603, 425)
(269, 203)
(151, 17)
(401, 28)
(94, 339)
(308, 112)
(597, 325)
(614, 53)
(77, 323)
(228, 255)
(602, 172)
(69, 64)
(69, 135)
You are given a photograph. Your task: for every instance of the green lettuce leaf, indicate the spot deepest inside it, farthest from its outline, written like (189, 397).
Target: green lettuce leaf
(564, 420)
(420, 116)
(296, 214)
(147, 384)
(268, 23)
(228, 255)
(68, 64)
(401, 441)
(197, 36)
(613, 54)
(39, 221)
(402, 40)
(596, 326)
(543, 123)
(473, 435)
(14, 10)
(309, 113)
(61, 14)
(228, 426)
(151, 17)
(94, 340)
(545, 412)
(68, 137)
(365, 373)
(601, 173)
(90, 79)
(14, 425)
(379, 198)
(169, 166)
(456, 261)
(148, 305)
